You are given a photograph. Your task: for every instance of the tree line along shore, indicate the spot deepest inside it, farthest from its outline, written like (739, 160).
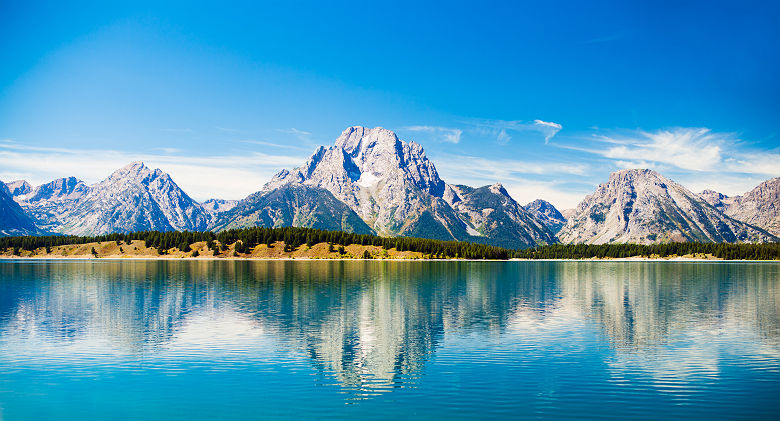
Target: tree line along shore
(294, 242)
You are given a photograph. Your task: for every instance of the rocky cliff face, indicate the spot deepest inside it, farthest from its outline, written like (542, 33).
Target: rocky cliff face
(13, 219)
(642, 206)
(759, 207)
(133, 198)
(396, 190)
(497, 217)
(49, 203)
(547, 214)
(215, 206)
(19, 188)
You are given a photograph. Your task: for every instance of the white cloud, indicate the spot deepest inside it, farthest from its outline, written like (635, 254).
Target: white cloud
(549, 129)
(202, 177)
(445, 134)
(695, 149)
(689, 149)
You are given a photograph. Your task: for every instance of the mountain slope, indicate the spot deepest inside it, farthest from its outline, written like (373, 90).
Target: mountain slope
(642, 206)
(50, 202)
(759, 207)
(134, 198)
(216, 206)
(396, 190)
(494, 215)
(13, 219)
(547, 214)
(19, 188)
(292, 205)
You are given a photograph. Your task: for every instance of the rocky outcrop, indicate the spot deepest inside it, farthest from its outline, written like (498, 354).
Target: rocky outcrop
(759, 207)
(19, 188)
(13, 219)
(215, 206)
(642, 206)
(547, 214)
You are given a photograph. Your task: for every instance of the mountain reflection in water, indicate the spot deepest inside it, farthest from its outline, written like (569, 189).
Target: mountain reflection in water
(371, 327)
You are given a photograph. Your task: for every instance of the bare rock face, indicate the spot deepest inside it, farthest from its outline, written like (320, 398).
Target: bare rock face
(13, 219)
(396, 190)
(50, 202)
(546, 213)
(759, 207)
(19, 188)
(720, 201)
(642, 206)
(496, 216)
(133, 198)
(216, 206)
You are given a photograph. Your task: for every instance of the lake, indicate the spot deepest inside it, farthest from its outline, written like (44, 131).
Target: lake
(387, 340)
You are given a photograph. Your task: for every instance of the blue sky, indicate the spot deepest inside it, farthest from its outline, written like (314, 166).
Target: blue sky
(545, 97)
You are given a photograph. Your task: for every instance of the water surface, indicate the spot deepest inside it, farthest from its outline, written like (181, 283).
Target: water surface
(388, 340)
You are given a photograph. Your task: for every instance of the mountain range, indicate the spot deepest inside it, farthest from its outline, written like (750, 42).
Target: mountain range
(370, 181)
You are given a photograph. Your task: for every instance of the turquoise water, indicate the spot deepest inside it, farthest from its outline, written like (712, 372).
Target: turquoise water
(388, 340)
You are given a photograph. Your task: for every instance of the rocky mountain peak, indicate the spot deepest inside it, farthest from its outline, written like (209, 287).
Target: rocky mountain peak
(643, 206)
(545, 212)
(19, 188)
(136, 170)
(760, 206)
(357, 139)
(498, 188)
(69, 188)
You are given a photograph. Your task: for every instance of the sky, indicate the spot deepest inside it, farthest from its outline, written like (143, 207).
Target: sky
(547, 97)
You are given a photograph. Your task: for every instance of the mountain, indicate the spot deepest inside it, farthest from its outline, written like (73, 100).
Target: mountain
(292, 205)
(13, 219)
(720, 201)
(642, 206)
(133, 198)
(547, 214)
(49, 203)
(759, 207)
(393, 186)
(216, 206)
(19, 188)
(495, 215)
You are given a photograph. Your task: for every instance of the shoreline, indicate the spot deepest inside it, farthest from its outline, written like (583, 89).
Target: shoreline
(307, 259)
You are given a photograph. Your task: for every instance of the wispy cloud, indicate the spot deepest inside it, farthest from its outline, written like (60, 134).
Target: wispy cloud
(502, 130)
(549, 129)
(275, 145)
(525, 180)
(227, 129)
(445, 134)
(228, 176)
(696, 157)
(167, 150)
(687, 148)
(300, 134)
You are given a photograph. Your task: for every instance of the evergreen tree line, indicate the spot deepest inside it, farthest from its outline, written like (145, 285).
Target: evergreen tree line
(770, 251)
(247, 238)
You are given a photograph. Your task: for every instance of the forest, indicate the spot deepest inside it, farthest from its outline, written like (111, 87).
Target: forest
(294, 237)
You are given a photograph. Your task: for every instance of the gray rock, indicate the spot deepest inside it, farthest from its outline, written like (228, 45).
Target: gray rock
(642, 206)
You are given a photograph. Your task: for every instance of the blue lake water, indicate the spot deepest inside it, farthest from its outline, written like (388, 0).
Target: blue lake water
(198, 340)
